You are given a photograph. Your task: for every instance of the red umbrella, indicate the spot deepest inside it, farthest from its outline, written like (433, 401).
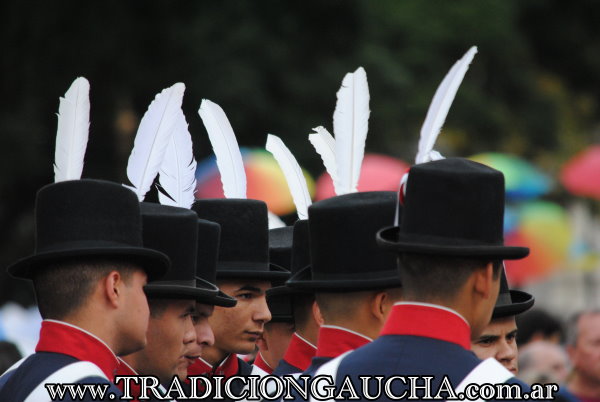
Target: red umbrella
(581, 174)
(377, 173)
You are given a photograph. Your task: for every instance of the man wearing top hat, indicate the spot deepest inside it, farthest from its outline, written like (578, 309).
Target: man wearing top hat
(277, 332)
(307, 318)
(243, 272)
(355, 283)
(450, 247)
(88, 272)
(180, 303)
(499, 338)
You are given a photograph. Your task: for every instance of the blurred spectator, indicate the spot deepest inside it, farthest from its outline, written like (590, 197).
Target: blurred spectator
(9, 355)
(583, 346)
(543, 362)
(538, 325)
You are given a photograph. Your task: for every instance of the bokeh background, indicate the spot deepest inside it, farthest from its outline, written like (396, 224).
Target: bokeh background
(532, 95)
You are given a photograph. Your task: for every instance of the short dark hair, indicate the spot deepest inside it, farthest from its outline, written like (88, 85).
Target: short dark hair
(346, 304)
(302, 307)
(62, 288)
(158, 306)
(427, 277)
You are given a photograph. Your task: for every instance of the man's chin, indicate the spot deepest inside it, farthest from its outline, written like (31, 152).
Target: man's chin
(245, 348)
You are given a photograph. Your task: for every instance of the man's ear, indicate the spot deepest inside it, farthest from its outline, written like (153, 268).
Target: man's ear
(112, 288)
(379, 305)
(483, 280)
(317, 316)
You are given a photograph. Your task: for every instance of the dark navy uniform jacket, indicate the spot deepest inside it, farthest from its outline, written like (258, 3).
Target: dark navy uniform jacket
(297, 356)
(61, 345)
(418, 339)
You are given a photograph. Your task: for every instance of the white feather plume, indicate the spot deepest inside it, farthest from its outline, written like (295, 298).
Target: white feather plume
(177, 175)
(350, 126)
(293, 174)
(324, 144)
(440, 105)
(73, 131)
(226, 149)
(152, 139)
(275, 221)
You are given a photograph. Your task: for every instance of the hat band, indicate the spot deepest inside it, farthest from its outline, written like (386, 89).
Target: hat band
(84, 245)
(178, 282)
(242, 265)
(370, 274)
(416, 238)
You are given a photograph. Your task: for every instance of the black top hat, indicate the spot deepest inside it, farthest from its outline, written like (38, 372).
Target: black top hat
(280, 306)
(88, 218)
(299, 259)
(174, 231)
(208, 252)
(280, 246)
(279, 298)
(511, 302)
(344, 254)
(452, 207)
(244, 246)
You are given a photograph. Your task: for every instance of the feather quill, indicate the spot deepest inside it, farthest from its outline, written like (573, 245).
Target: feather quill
(324, 144)
(152, 139)
(440, 105)
(350, 126)
(293, 174)
(72, 132)
(177, 176)
(226, 149)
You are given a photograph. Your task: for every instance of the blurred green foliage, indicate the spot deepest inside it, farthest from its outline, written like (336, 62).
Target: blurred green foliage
(275, 66)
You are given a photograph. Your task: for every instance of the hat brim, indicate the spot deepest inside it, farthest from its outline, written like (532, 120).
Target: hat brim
(201, 291)
(154, 263)
(521, 302)
(303, 280)
(391, 239)
(220, 298)
(274, 273)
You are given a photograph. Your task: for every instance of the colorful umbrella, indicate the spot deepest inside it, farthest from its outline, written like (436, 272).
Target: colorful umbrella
(544, 228)
(378, 173)
(265, 181)
(581, 174)
(523, 180)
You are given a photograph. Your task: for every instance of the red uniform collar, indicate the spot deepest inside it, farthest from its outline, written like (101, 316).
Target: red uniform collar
(430, 321)
(300, 352)
(67, 339)
(334, 341)
(228, 367)
(262, 364)
(125, 369)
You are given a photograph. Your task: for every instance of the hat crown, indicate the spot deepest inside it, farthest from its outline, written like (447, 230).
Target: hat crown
(300, 246)
(86, 212)
(244, 243)
(209, 234)
(173, 231)
(454, 198)
(280, 246)
(342, 236)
